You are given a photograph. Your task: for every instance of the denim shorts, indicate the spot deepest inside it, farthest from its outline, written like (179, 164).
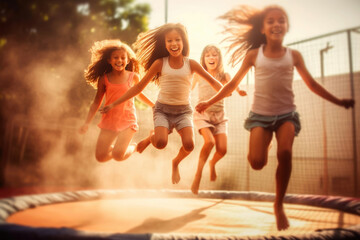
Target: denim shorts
(272, 123)
(172, 116)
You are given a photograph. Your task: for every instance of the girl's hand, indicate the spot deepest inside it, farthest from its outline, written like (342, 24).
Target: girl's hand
(242, 92)
(202, 106)
(106, 108)
(83, 129)
(347, 103)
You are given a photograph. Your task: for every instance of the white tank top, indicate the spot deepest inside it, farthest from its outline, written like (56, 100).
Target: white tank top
(175, 84)
(206, 91)
(273, 93)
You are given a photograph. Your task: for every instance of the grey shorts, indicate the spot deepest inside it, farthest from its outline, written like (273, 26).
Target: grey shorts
(172, 116)
(216, 121)
(272, 123)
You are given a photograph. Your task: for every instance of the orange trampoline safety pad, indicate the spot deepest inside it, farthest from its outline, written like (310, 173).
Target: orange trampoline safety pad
(185, 214)
(180, 215)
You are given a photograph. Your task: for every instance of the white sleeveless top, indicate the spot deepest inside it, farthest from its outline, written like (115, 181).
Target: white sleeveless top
(175, 84)
(273, 93)
(206, 91)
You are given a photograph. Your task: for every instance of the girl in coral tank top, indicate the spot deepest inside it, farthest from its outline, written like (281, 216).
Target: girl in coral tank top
(112, 71)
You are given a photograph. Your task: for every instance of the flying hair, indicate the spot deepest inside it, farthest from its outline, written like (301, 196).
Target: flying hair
(101, 53)
(244, 25)
(150, 45)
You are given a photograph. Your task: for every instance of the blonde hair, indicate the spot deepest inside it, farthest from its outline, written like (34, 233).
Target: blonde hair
(220, 67)
(150, 45)
(244, 25)
(100, 53)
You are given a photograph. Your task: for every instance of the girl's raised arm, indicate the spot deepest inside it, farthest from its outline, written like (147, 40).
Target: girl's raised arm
(142, 96)
(230, 86)
(136, 89)
(195, 81)
(315, 86)
(198, 69)
(240, 92)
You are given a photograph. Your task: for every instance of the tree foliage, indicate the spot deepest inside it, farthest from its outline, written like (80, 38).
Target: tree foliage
(44, 50)
(52, 35)
(42, 23)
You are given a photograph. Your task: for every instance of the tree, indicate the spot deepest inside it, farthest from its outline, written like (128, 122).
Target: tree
(54, 35)
(44, 50)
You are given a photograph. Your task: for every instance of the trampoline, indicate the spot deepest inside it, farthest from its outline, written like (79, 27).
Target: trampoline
(175, 214)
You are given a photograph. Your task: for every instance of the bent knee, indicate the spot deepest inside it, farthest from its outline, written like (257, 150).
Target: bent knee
(209, 145)
(221, 151)
(101, 157)
(118, 155)
(188, 146)
(257, 163)
(160, 144)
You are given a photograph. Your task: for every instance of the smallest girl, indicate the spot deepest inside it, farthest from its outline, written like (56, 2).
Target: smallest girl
(212, 123)
(112, 71)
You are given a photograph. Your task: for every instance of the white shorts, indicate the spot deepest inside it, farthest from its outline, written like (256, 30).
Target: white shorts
(216, 121)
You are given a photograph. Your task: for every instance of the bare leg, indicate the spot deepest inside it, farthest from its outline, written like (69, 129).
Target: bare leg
(285, 138)
(221, 148)
(187, 138)
(209, 142)
(143, 144)
(123, 147)
(175, 177)
(260, 139)
(104, 149)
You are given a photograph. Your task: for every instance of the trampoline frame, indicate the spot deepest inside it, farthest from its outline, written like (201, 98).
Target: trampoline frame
(11, 205)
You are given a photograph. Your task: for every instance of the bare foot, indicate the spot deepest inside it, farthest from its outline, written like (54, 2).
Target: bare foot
(282, 222)
(143, 144)
(175, 173)
(213, 175)
(196, 183)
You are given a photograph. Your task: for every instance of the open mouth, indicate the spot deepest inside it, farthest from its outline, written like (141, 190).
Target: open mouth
(276, 31)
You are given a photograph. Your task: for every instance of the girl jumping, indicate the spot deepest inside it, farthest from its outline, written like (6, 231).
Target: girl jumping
(112, 71)
(212, 123)
(257, 37)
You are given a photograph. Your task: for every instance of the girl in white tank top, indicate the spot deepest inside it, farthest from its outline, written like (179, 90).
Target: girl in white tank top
(273, 94)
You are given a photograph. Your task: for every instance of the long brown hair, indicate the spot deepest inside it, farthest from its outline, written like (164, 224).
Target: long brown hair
(100, 53)
(244, 25)
(150, 45)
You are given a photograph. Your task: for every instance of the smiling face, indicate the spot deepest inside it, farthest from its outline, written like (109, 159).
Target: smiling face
(174, 43)
(118, 60)
(275, 25)
(211, 59)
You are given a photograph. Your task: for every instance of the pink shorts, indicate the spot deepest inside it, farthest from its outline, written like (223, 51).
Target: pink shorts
(216, 121)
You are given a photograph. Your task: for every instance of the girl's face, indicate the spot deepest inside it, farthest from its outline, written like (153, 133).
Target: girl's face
(118, 60)
(275, 25)
(174, 43)
(211, 59)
